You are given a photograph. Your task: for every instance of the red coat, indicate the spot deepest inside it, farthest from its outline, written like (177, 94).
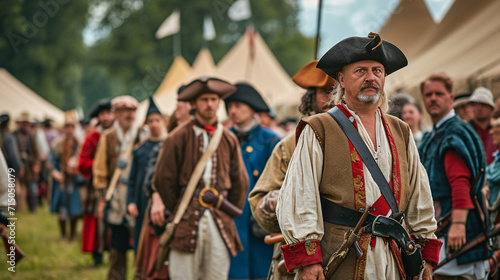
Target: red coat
(87, 153)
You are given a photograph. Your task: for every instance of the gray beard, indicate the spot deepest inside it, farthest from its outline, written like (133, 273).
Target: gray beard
(369, 99)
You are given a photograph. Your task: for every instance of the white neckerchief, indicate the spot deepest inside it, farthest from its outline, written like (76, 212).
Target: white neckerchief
(253, 124)
(126, 139)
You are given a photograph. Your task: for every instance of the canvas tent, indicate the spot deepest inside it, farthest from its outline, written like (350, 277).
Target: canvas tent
(178, 70)
(464, 45)
(15, 97)
(166, 97)
(251, 61)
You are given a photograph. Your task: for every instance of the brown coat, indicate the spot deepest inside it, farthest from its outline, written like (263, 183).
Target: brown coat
(269, 184)
(339, 186)
(176, 162)
(106, 158)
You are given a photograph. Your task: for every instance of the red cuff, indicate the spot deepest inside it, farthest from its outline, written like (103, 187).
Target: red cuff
(430, 250)
(301, 254)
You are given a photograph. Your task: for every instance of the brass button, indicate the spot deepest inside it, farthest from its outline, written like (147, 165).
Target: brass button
(195, 223)
(192, 241)
(196, 212)
(249, 149)
(193, 232)
(255, 173)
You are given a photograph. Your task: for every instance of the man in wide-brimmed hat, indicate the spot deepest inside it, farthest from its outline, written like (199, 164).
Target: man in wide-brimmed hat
(206, 237)
(482, 100)
(328, 172)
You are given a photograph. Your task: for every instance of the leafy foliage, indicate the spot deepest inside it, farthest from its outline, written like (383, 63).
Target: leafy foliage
(128, 59)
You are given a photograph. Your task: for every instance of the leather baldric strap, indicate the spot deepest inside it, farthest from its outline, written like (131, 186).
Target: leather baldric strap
(360, 146)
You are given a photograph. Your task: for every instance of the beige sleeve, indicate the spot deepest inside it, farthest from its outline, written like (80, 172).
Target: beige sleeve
(420, 212)
(99, 167)
(299, 208)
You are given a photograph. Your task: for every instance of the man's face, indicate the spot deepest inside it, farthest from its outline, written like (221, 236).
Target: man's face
(466, 112)
(363, 81)
(24, 126)
(240, 113)
(69, 129)
(438, 101)
(106, 118)
(125, 117)
(482, 112)
(324, 99)
(495, 132)
(156, 124)
(206, 105)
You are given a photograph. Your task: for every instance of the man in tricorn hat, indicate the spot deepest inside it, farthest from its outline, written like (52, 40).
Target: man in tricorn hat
(318, 98)
(206, 236)
(92, 242)
(257, 144)
(326, 172)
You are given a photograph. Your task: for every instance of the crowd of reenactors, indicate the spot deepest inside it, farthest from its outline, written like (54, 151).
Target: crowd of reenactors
(351, 191)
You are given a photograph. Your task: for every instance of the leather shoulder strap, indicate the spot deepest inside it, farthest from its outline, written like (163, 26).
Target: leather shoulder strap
(198, 171)
(358, 143)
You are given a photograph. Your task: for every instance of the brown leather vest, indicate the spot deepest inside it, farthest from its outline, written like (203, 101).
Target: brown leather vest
(338, 186)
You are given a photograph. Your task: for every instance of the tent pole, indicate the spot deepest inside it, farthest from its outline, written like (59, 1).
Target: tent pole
(318, 29)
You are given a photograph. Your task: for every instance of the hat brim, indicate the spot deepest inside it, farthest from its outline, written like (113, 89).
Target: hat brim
(210, 85)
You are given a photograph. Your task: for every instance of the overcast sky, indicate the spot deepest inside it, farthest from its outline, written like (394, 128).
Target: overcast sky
(345, 18)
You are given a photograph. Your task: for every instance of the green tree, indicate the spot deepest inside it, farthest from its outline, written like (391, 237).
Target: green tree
(134, 56)
(41, 44)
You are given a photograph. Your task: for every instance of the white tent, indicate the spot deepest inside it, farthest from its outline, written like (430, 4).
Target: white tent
(166, 97)
(178, 70)
(464, 45)
(251, 61)
(15, 97)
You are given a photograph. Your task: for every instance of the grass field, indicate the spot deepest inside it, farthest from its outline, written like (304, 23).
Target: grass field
(47, 257)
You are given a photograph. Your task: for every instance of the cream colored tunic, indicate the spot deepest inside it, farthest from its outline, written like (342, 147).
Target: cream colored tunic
(299, 208)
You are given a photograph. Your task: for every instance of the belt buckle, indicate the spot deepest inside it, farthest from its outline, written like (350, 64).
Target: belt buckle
(202, 192)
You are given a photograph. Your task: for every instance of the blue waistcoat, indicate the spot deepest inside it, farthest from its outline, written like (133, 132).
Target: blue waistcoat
(454, 134)
(254, 261)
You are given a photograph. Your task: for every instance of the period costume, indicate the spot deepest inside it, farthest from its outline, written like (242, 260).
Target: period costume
(92, 226)
(8, 145)
(326, 169)
(135, 191)
(449, 152)
(205, 237)
(484, 96)
(145, 260)
(111, 154)
(28, 150)
(65, 197)
(257, 144)
(268, 186)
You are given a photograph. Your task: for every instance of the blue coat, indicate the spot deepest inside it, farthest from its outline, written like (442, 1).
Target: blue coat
(68, 198)
(455, 135)
(135, 191)
(254, 261)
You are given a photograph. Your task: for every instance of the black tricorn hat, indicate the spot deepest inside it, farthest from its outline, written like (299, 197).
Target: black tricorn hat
(103, 104)
(206, 85)
(152, 109)
(247, 94)
(355, 49)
